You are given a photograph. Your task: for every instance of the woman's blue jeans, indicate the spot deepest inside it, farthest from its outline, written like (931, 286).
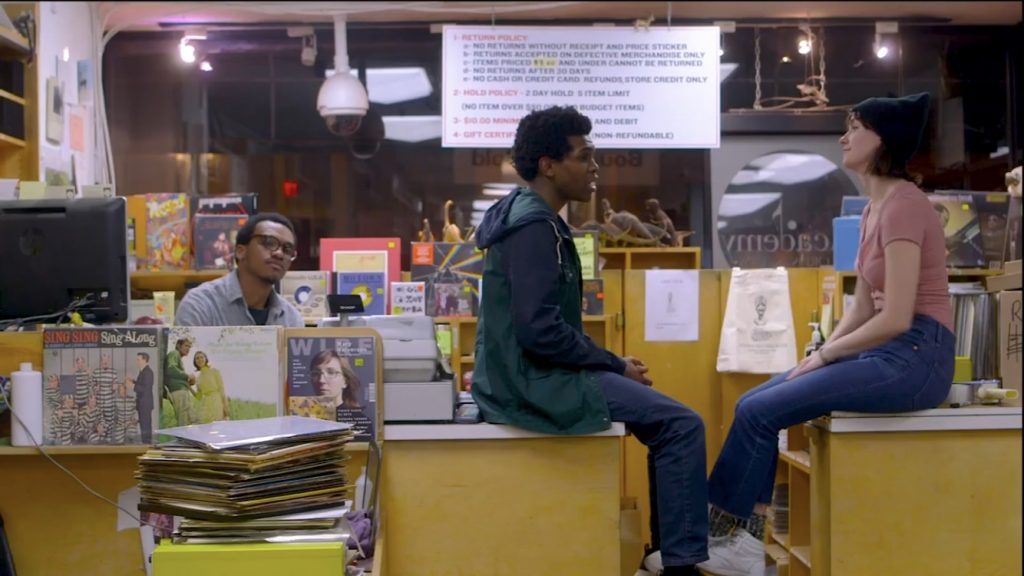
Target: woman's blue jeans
(913, 371)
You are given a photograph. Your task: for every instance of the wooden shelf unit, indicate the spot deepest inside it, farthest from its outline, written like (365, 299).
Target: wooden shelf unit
(648, 258)
(846, 283)
(19, 155)
(13, 46)
(791, 551)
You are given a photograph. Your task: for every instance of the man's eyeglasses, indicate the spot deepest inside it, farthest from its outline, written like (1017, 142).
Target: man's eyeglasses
(325, 373)
(272, 244)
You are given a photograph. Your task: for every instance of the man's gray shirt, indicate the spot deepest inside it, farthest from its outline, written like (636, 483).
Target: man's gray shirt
(220, 303)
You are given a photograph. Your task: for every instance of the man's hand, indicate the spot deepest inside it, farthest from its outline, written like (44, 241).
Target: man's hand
(636, 370)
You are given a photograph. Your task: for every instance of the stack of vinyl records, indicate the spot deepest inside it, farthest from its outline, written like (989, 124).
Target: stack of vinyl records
(974, 322)
(249, 480)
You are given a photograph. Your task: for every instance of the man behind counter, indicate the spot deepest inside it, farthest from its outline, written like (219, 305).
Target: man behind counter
(264, 250)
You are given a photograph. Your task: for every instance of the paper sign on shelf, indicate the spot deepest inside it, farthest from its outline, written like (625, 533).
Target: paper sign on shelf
(655, 88)
(672, 305)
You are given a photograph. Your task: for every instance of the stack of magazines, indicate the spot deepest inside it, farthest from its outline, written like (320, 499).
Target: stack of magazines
(272, 479)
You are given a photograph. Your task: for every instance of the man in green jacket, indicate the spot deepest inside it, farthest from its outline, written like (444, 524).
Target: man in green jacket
(178, 383)
(536, 369)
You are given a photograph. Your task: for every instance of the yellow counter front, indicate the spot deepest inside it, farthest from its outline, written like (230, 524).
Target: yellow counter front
(472, 499)
(936, 492)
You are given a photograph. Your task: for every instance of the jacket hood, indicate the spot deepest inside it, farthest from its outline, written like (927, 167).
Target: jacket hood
(521, 207)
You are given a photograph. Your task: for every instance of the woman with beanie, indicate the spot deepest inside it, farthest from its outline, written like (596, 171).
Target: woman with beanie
(892, 351)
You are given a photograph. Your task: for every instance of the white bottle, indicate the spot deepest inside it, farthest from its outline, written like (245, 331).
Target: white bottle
(27, 403)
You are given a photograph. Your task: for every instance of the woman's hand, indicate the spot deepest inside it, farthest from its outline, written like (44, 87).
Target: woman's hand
(808, 364)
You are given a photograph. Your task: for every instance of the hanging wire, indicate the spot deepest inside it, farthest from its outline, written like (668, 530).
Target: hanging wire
(494, 11)
(757, 68)
(668, 20)
(821, 61)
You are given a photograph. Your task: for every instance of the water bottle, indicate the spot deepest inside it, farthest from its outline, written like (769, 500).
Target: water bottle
(27, 403)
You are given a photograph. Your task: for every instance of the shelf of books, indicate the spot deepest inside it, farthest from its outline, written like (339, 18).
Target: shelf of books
(847, 284)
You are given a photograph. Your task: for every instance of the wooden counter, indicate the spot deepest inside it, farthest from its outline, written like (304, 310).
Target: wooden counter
(471, 499)
(934, 492)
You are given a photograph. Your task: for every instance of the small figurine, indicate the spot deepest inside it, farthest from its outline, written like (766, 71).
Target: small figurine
(658, 217)
(625, 221)
(425, 234)
(1013, 181)
(644, 23)
(450, 232)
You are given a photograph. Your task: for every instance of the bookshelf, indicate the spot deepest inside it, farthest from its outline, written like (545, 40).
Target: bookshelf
(790, 551)
(846, 283)
(19, 153)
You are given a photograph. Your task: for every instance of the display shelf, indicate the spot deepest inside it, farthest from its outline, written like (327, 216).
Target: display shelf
(649, 257)
(801, 553)
(778, 556)
(782, 539)
(798, 459)
(13, 45)
(176, 281)
(5, 95)
(776, 553)
(10, 141)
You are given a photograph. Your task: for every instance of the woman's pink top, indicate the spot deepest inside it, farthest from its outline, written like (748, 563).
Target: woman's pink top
(908, 215)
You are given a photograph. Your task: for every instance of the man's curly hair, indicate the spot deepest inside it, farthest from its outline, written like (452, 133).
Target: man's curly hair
(546, 133)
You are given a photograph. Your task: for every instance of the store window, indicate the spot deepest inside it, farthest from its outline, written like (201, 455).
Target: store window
(777, 211)
(250, 125)
(967, 145)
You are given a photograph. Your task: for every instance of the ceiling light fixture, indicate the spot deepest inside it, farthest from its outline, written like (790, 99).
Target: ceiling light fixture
(205, 66)
(724, 27)
(885, 38)
(186, 51)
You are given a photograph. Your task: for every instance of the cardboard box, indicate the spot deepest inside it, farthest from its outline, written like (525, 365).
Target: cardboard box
(1011, 267)
(1003, 282)
(1010, 340)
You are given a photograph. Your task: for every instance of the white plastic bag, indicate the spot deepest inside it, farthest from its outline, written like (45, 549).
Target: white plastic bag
(757, 332)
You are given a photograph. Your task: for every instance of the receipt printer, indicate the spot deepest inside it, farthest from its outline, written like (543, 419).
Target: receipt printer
(412, 393)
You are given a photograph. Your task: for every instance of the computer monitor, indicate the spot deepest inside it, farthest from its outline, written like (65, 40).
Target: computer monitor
(56, 252)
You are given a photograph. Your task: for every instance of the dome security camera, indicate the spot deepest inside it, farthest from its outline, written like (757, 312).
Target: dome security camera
(342, 103)
(342, 100)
